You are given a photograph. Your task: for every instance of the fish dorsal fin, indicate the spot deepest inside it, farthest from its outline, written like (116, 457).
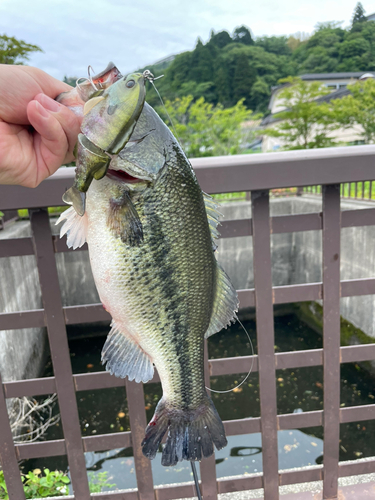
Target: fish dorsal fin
(125, 358)
(213, 215)
(75, 228)
(225, 303)
(91, 103)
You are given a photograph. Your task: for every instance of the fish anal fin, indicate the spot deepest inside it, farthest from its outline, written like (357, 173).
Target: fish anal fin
(124, 357)
(225, 303)
(75, 228)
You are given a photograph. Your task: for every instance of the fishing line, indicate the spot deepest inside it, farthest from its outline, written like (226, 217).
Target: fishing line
(150, 77)
(195, 475)
(251, 367)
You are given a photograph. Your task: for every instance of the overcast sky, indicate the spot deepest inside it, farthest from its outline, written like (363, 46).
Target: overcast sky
(76, 33)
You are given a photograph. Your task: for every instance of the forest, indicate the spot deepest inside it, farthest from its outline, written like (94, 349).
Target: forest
(230, 67)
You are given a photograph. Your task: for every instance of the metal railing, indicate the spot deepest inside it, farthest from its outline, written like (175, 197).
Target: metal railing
(258, 174)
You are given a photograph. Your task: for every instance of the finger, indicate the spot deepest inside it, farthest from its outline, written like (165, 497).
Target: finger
(50, 140)
(67, 119)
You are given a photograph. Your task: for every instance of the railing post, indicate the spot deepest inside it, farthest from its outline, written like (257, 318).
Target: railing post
(266, 337)
(51, 297)
(331, 337)
(138, 423)
(8, 458)
(208, 465)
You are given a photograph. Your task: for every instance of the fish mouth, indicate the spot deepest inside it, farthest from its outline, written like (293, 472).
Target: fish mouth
(121, 175)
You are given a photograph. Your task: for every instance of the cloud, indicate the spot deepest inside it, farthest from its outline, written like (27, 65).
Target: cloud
(134, 34)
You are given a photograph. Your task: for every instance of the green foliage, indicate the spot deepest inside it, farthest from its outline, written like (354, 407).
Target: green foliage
(305, 123)
(53, 484)
(232, 67)
(37, 485)
(98, 482)
(13, 51)
(359, 14)
(358, 108)
(207, 130)
(243, 35)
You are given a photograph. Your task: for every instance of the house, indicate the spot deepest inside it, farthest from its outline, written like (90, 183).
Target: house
(337, 82)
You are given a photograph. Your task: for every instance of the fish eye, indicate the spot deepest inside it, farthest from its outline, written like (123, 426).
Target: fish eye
(130, 84)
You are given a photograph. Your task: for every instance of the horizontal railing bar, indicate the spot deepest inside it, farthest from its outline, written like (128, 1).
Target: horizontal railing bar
(297, 293)
(43, 449)
(355, 218)
(89, 313)
(104, 442)
(172, 491)
(225, 174)
(231, 366)
(30, 387)
(228, 229)
(296, 223)
(242, 426)
(300, 476)
(357, 413)
(221, 366)
(354, 469)
(114, 495)
(22, 319)
(96, 380)
(357, 353)
(233, 228)
(300, 420)
(241, 483)
(16, 247)
(57, 447)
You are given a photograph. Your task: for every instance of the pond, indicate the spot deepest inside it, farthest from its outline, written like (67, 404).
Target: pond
(298, 390)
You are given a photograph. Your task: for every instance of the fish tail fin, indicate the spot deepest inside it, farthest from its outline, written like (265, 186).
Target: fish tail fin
(192, 434)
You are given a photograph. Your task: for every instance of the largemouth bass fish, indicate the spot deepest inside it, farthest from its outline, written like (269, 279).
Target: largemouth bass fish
(150, 231)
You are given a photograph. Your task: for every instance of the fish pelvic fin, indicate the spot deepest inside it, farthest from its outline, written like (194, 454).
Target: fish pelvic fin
(125, 358)
(192, 434)
(225, 303)
(75, 228)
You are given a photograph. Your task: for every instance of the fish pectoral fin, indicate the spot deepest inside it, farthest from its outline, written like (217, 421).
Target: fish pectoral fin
(225, 303)
(125, 358)
(75, 228)
(124, 220)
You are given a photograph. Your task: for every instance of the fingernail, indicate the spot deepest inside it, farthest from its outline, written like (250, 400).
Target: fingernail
(49, 103)
(41, 110)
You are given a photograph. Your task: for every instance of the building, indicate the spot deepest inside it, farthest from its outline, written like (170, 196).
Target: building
(337, 82)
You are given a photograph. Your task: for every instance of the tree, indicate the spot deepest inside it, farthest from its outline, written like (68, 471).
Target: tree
(305, 123)
(243, 79)
(359, 14)
(358, 108)
(207, 130)
(13, 51)
(220, 39)
(242, 35)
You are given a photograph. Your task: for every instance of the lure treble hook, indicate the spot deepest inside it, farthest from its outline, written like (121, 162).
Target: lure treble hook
(147, 75)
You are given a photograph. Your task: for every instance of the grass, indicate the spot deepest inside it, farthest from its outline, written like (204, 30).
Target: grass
(348, 190)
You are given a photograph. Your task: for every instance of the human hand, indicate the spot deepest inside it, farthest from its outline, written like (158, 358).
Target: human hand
(37, 134)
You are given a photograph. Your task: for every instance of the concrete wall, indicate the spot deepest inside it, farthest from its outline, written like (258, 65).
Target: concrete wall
(296, 258)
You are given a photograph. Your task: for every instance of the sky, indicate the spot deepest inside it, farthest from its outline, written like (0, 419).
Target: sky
(77, 33)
